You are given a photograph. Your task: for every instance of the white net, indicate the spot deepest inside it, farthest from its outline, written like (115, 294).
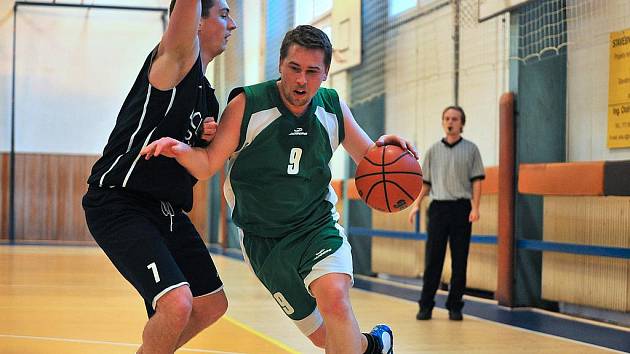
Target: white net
(548, 27)
(542, 29)
(434, 58)
(589, 22)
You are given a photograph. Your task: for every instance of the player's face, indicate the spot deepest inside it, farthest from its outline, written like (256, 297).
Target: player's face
(452, 122)
(215, 29)
(302, 72)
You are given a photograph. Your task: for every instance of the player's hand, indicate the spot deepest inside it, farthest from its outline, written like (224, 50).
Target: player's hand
(473, 216)
(413, 213)
(165, 146)
(209, 129)
(396, 140)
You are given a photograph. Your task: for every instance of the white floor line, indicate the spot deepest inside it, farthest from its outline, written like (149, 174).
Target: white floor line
(120, 344)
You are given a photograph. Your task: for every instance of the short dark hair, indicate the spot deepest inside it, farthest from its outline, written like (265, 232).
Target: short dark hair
(205, 7)
(309, 37)
(457, 108)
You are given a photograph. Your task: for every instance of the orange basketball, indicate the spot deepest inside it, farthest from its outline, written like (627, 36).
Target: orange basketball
(388, 178)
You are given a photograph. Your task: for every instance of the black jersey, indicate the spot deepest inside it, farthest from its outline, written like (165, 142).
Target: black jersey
(147, 115)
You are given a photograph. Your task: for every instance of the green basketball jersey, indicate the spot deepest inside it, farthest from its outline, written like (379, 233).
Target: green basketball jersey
(279, 179)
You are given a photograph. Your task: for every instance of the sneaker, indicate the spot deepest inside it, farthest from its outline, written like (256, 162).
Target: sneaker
(424, 314)
(384, 337)
(455, 315)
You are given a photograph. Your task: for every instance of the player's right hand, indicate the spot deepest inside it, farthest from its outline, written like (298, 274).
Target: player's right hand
(413, 213)
(165, 146)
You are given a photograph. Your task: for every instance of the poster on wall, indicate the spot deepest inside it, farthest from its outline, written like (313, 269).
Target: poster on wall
(619, 91)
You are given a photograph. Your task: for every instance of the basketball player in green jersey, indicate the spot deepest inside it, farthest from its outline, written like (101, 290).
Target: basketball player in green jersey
(279, 137)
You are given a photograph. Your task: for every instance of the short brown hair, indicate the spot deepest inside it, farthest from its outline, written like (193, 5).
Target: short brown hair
(205, 7)
(308, 37)
(457, 108)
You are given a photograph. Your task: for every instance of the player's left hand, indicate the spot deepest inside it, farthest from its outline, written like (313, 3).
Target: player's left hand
(209, 129)
(396, 140)
(166, 146)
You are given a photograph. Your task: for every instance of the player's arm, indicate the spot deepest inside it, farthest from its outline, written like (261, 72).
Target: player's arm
(357, 142)
(203, 163)
(179, 46)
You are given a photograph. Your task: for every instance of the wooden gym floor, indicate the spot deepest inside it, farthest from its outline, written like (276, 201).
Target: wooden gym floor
(71, 300)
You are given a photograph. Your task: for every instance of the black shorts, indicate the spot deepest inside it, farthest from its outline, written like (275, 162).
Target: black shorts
(155, 247)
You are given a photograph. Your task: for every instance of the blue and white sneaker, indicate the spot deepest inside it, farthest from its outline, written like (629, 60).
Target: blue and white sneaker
(385, 338)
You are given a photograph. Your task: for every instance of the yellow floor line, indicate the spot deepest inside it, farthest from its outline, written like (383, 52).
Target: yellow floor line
(255, 332)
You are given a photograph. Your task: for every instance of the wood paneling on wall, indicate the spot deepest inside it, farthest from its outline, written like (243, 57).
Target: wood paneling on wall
(4, 196)
(406, 257)
(601, 282)
(397, 256)
(48, 191)
(48, 196)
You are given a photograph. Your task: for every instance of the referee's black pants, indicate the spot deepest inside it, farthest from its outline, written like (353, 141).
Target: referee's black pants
(448, 222)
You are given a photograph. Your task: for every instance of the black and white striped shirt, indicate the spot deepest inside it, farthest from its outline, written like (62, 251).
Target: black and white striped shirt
(450, 169)
(147, 115)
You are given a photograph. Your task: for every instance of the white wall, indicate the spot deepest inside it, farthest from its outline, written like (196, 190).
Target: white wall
(419, 78)
(74, 69)
(420, 73)
(587, 77)
(483, 78)
(252, 39)
(6, 28)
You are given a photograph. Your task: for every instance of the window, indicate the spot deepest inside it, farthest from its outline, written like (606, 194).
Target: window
(397, 7)
(310, 11)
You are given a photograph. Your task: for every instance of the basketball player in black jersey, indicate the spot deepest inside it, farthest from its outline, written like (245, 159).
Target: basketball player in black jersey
(135, 208)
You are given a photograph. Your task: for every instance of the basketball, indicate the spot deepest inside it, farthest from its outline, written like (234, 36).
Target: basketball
(388, 178)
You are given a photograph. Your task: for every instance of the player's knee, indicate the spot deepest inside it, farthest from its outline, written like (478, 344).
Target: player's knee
(319, 337)
(177, 304)
(208, 309)
(334, 301)
(221, 306)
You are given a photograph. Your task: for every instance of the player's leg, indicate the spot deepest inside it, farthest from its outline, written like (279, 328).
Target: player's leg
(129, 232)
(435, 251)
(206, 310)
(163, 330)
(459, 243)
(288, 266)
(318, 338)
(342, 330)
(329, 279)
(275, 263)
(209, 301)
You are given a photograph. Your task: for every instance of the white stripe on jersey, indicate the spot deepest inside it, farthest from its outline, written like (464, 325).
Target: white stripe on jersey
(170, 104)
(146, 142)
(257, 123)
(100, 183)
(331, 124)
(144, 111)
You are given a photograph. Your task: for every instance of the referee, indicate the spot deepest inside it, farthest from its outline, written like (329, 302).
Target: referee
(452, 174)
